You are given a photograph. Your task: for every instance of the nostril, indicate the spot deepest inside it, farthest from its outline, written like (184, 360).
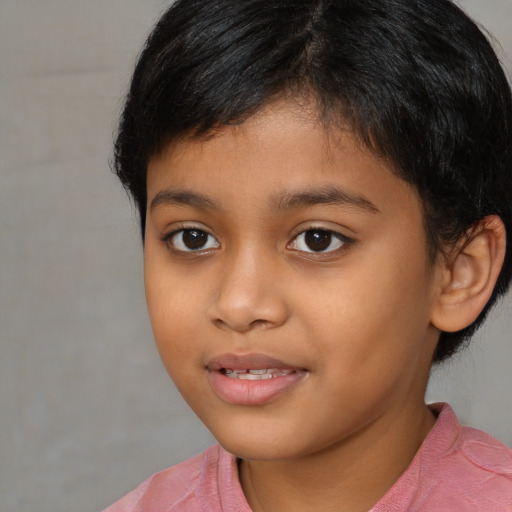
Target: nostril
(219, 323)
(255, 324)
(230, 324)
(260, 324)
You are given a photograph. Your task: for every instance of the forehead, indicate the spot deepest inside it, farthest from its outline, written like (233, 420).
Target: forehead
(282, 149)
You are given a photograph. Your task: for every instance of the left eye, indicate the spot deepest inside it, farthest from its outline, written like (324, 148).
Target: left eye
(190, 240)
(318, 240)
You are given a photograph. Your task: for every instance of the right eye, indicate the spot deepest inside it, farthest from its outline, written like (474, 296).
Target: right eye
(191, 240)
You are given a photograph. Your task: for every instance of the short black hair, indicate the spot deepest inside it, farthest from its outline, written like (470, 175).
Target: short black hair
(416, 80)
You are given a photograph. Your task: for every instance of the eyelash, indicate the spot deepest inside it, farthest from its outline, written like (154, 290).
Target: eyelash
(326, 236)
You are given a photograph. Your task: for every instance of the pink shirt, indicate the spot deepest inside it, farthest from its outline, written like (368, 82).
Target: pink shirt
(456, 469)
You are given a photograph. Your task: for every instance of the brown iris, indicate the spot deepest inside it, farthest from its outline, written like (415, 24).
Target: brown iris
(194, 238)
(318, 240)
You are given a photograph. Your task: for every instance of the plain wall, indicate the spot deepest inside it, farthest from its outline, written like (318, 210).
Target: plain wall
(86, 409)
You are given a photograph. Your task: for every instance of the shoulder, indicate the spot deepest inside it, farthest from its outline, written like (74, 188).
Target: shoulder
(457, 468)
(476, 451)
(485, 452)
(183, 487)
(468, 469)
(485, 459)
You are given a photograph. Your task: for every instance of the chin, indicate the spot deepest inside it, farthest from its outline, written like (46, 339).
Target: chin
(257, 443)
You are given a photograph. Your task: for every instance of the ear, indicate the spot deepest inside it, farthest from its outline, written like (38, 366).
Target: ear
(469, 274)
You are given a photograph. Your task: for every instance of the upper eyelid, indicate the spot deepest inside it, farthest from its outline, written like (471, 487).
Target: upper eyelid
(184, 226)
(314, 227)
(168, 234)
(336, 234)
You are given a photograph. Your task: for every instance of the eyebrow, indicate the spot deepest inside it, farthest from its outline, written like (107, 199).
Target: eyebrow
(181, 197)
(322, 195)
(280, 202)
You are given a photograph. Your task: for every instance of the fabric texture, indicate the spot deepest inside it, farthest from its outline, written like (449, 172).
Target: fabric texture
(457, 469)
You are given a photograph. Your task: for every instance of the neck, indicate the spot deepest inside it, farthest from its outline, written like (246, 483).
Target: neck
(350, 476)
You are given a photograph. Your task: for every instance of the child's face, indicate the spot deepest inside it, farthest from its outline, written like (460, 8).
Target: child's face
(278, 246)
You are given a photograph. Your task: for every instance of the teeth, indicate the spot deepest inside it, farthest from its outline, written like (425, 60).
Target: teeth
(276, 372)
(251, 376)
(263, 374)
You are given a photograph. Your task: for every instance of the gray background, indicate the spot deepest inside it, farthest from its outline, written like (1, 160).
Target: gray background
(86, 409)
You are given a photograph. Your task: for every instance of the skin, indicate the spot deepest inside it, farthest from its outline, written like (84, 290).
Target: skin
(357, 318)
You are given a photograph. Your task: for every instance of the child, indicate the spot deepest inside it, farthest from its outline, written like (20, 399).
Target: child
(324, 190)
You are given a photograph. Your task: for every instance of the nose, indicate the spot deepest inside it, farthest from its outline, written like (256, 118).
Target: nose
(250, 295)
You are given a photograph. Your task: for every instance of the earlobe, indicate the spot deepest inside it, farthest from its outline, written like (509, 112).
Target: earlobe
(469, 275)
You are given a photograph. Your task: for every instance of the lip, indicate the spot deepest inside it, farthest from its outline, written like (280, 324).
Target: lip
(247, 362)
(251, 392)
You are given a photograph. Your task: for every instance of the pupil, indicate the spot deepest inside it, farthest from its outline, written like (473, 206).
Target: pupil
(194, 239)
(318, 240)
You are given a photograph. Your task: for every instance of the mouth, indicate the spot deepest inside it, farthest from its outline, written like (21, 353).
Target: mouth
(263, 374)
(252, 379)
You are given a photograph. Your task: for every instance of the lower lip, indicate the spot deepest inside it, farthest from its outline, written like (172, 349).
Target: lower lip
(252, 392)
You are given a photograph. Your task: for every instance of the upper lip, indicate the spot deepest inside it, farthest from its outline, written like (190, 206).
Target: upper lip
(247, 362)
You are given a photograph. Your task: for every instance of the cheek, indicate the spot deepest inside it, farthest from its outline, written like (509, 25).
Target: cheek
(376, 312)
(172, 320)
(176, 343)
(173, 311)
